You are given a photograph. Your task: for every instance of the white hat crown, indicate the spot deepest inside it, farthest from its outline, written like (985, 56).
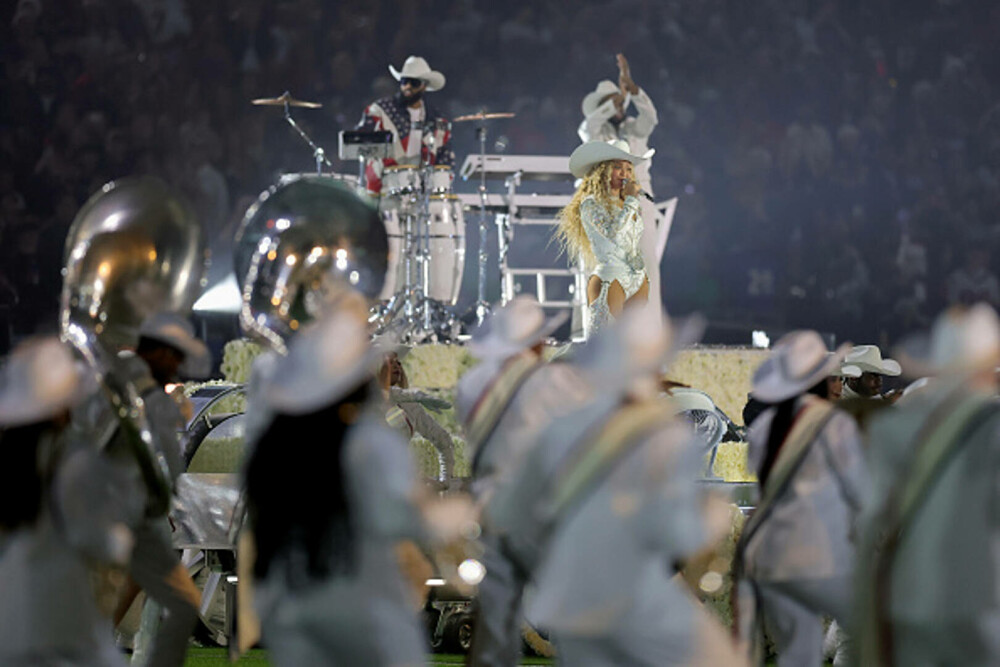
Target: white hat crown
(39, 379)
(869, 359)
(416, 67)
(972, 338)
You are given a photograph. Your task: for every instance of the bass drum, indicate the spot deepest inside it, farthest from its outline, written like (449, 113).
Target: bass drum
(446, 261)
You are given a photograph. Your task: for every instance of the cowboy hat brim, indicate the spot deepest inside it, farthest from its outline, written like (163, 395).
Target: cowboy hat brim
(770, 385)
(495, 346)
(594, 152)
(435, 80)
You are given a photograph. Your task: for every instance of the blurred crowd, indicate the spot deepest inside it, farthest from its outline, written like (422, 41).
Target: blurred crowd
(836, 161)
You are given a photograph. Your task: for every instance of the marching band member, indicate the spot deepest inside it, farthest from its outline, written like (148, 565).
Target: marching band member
(327, 514)
(408, 116)
(795, 558)
(62, 520)
(602, 228)
(928, 594)
(504, 402)
(601, 506)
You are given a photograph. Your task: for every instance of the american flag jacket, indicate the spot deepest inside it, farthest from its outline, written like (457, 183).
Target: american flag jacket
(390, 113)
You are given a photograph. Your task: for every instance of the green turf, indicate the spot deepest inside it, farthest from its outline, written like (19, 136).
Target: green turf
(216, 657)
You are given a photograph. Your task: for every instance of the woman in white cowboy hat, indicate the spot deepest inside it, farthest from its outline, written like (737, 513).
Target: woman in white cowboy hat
(601, 227)
(795, 558)
(330, 491)
(61, 522)
(929, 595)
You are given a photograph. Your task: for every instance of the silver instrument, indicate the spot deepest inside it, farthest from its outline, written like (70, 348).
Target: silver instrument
(135, 248)
(301, 246)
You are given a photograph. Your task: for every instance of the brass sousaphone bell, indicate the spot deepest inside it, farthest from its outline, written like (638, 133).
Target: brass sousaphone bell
(302, 247)
(134, 249)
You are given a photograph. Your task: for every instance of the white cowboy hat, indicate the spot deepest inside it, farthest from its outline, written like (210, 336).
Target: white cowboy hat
(39, 380)
(593, 99)
(328, 359)
(416, 67)
(640, 344)
(594, 152)
(176, 331)
(513, 328)
(962, 340)
(846, 371)
(869, 359)
(798, 361)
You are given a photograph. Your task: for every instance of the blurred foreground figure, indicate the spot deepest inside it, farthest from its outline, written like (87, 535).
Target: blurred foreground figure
(601, 508)
(61, 530)
(330, 490)
(504, 403)
(795, 558)
(928, 594)
(135, 249)
(169, 347)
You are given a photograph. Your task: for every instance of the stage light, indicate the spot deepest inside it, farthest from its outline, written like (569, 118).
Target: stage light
(222, 297)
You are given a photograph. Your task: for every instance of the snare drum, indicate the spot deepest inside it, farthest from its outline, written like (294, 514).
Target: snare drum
(400, 179)
(441, 179)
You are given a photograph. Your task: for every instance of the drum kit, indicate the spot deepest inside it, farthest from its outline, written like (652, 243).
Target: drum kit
(425, 224)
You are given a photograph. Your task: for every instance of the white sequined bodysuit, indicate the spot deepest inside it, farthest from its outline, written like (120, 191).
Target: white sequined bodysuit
(615, 237)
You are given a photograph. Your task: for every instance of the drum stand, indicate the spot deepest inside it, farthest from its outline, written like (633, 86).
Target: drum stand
(318, 153)
(411, 314)
(482, 307)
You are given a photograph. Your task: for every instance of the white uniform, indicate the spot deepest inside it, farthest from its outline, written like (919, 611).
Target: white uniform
(800, 562)
(944, 601)
(604, 569)
(550, 391)
(636, 131)
(364, 618)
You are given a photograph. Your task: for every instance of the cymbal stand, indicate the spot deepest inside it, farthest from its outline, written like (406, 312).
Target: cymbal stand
(318, 153)
(482, 307)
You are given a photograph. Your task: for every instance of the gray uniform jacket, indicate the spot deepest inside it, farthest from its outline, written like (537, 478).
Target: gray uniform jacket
(553, 390)
(48, 610)
(945, 576)
(366, 618)
(810, 531)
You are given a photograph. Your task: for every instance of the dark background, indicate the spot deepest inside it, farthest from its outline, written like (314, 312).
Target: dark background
(837, 162)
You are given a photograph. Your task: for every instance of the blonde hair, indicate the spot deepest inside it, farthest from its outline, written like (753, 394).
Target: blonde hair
(570, 233)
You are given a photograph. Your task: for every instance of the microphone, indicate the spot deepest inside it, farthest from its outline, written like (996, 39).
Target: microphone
(642, 193)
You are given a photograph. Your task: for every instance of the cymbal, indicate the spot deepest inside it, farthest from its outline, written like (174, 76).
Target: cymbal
(283, 99)
(482, 115)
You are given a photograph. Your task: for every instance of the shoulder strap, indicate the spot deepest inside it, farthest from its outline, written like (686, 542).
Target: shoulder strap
(807, 424)
(494, 401)
(589, 464)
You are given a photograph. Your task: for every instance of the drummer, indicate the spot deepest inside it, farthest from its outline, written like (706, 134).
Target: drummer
(406, 115)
